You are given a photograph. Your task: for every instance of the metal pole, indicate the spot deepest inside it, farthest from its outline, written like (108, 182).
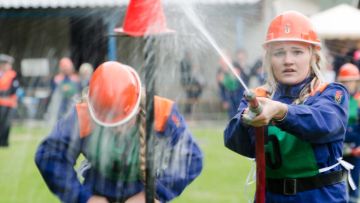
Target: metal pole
(150, 92)
(111, 42)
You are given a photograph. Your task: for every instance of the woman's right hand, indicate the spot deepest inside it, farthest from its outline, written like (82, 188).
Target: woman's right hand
(97, 199)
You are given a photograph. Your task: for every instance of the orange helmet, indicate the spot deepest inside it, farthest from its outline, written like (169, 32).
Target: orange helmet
(292, 26)
(114, 94)
(348, 72)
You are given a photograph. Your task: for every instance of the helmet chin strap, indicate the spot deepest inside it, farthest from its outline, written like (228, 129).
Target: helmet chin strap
(133, 113)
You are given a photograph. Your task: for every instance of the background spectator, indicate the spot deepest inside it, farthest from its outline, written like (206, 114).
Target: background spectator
(191, 82)
(85, 72)
(8, 99)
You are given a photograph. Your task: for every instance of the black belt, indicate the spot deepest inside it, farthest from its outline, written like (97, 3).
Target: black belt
(292, 186)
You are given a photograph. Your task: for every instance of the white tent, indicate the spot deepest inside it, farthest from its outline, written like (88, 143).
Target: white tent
(339, 22)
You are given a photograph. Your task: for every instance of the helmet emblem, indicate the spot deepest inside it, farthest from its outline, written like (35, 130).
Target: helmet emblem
(287, 28)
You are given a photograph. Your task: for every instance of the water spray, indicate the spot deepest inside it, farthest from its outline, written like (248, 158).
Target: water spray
(254, 107)
(197, 23)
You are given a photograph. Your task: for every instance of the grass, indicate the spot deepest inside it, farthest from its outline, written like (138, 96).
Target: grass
(19, 177)
(224, 174)
(222, 179)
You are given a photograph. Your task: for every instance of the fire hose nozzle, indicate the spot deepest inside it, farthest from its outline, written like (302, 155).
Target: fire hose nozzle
(254, 106)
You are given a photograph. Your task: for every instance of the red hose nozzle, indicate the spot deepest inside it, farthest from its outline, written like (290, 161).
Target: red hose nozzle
(254, 106)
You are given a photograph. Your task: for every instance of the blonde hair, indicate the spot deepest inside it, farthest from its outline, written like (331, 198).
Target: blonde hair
(142, 135)
(317, 63)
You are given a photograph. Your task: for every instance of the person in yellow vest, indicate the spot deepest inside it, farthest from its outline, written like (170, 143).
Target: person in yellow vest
(8, 100)
(108, 128)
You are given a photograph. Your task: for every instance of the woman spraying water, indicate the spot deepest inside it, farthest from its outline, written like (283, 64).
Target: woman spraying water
(304, 118)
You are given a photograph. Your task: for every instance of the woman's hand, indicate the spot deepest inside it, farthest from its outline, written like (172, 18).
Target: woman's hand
(270, 110)
(97, 199)
(138, 198)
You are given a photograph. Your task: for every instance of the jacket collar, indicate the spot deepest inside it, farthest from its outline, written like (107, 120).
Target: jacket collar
(291, 91)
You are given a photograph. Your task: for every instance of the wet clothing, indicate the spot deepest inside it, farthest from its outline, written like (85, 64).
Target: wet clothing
(178, 158)
(307, 141)
(352, 140)
(8, 101)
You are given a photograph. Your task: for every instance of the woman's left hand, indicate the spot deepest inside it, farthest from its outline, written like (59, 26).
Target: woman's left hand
(270, 110)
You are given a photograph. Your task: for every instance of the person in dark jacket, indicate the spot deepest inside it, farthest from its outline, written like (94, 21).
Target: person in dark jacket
(190, 83)
(108, 129)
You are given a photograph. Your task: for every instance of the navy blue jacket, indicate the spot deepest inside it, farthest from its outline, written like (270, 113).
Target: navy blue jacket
(57, 155)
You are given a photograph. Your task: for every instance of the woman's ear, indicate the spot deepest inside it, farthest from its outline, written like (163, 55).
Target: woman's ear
(316, 58)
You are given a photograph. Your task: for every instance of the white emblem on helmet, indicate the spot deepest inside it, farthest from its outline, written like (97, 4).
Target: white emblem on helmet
(287, 28)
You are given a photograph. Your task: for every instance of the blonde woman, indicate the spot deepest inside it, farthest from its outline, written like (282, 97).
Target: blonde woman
(305, 118)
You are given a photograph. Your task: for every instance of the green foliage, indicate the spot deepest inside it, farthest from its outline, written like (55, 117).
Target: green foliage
(222, 179)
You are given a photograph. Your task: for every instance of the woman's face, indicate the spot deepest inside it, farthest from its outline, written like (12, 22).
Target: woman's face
(290, 62)
(352, 86)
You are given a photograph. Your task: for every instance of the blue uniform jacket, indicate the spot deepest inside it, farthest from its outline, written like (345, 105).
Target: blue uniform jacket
(352, 137)
(321, 121)
(57, 155)
(353, 130)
